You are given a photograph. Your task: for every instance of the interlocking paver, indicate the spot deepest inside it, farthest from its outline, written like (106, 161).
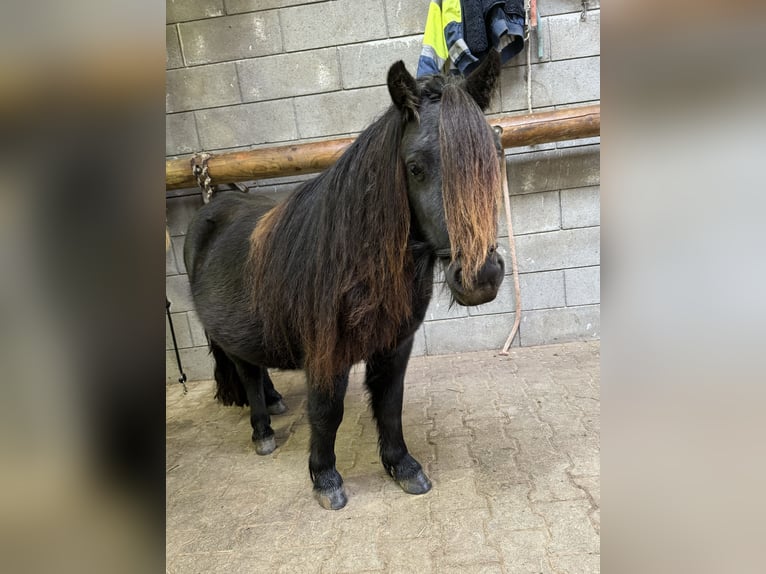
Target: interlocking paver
(510, 443)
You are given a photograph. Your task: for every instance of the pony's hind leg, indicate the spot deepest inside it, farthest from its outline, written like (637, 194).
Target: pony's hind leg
(229, 388)
(274, 403)
(385, 381)
(252, 377)
(325, 415)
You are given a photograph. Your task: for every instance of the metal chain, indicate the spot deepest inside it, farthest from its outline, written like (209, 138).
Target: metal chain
(200, 171)
(584, 12)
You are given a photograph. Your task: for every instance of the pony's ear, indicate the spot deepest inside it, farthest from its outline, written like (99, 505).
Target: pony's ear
(403, 89)
(481, 83)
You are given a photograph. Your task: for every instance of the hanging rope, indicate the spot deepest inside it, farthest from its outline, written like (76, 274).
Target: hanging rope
(538, 34)
(527, 9)
(201, 172)
(512, 244)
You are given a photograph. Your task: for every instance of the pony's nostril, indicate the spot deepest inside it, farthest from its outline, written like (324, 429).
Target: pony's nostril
(492, 249)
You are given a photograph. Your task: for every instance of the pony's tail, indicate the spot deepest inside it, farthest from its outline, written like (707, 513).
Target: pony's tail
(229, 389)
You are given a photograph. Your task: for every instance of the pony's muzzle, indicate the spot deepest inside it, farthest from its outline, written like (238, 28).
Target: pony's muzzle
(484, 287)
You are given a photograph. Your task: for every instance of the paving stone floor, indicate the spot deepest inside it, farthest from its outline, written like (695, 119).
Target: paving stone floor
(511, 445)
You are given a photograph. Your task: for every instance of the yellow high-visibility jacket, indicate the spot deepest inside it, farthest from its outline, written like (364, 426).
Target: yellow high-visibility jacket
(444, 44)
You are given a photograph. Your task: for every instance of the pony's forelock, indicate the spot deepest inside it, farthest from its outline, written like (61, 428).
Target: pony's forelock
(470, 179)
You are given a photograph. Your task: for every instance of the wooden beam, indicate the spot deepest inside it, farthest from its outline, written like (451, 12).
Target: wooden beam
(546, 127)
(520, 130)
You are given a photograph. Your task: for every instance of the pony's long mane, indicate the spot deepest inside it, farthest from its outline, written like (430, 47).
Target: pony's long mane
(331, 262)
(470, 179)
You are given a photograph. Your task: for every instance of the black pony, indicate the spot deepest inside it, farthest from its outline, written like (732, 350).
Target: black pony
(342, 271)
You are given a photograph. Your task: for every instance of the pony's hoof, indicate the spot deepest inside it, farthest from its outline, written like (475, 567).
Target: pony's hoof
(265, 445)
(277, 408)
(418, 484)
(333, 499)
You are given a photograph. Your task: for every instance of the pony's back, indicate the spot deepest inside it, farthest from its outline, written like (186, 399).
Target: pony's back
(217, 217)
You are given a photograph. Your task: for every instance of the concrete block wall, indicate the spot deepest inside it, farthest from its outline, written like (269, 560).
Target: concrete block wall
(243, 74)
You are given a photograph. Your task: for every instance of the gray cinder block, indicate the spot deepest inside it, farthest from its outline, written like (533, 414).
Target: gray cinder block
(406, 16)
(178, 292)
(171, 268)
(181, 329)
(182, 10)
(231, 38)
(367, 64)
(468, 334)
(558, 249)
(180, 211)
(238, 6)
(554, 169)
(332, 24)
(533, 213)
(583, 285)
(248, 124)
(549, 7)
(548, 326)
(201, 87)
(580, 207)
(554, 83)
(340, 112)
(541, 290)
(573, 38)
(197, 363)
(180, 134)
(288, 75)
(173, 58)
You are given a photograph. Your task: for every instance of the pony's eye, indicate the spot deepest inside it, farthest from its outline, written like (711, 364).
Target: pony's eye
(416, 170)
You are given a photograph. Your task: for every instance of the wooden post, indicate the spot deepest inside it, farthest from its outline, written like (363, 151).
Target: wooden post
(520, 130)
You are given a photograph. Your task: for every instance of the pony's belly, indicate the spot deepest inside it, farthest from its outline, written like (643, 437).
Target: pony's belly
(245, 341)
(270, 360)
(261, 355)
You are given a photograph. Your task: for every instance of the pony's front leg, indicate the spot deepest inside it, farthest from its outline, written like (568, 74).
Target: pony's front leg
(385, 381)
(325, 415)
